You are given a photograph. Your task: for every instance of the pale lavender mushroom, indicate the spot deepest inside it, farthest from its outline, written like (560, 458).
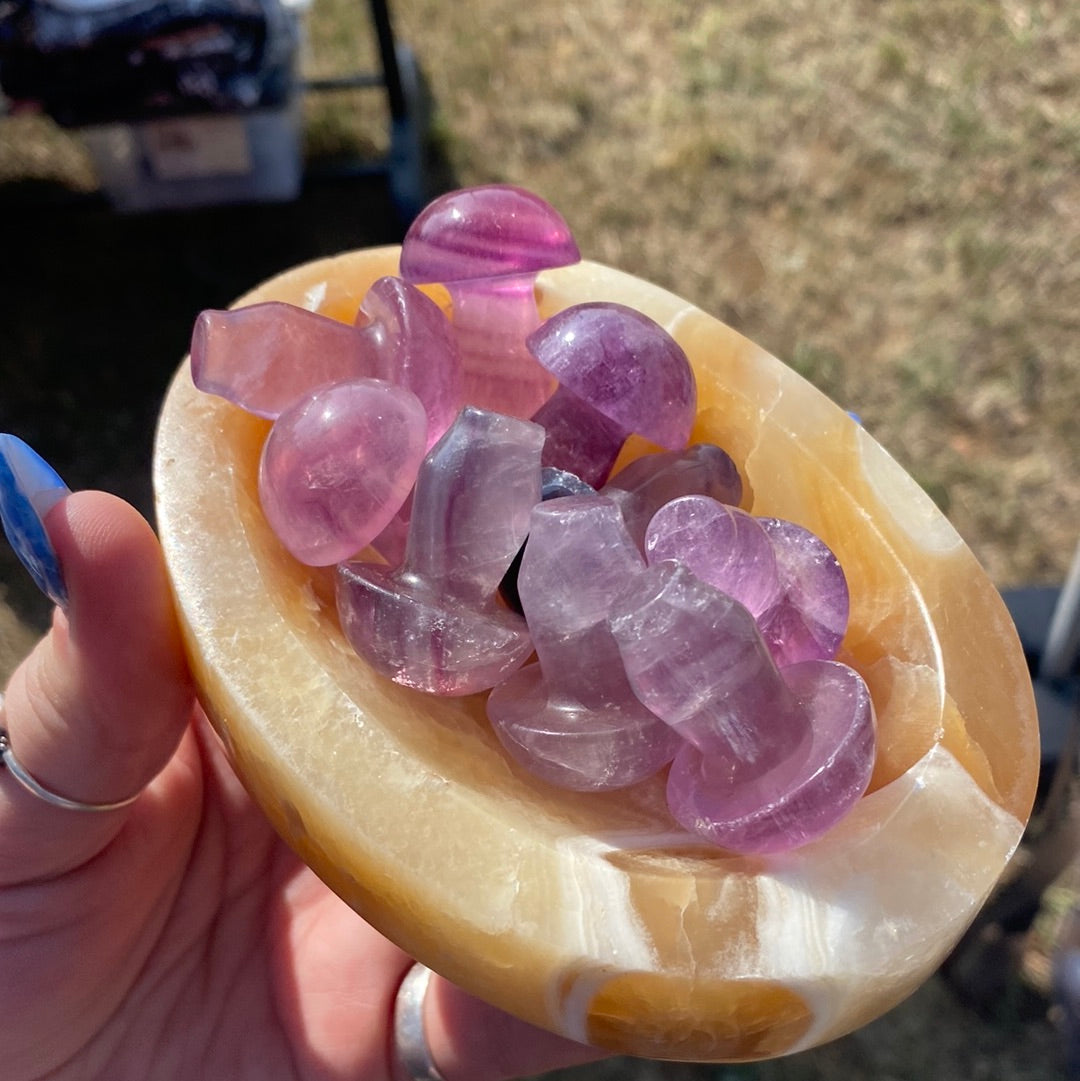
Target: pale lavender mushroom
(572, 717)
(800, 799)
(810, 616)
(619, 372)
(486, 245)
(773, 757)
(724, 546)
(653, 480)
(433, 623)
(696, 658)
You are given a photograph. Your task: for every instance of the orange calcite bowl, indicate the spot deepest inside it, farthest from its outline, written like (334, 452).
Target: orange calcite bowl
(594, 915)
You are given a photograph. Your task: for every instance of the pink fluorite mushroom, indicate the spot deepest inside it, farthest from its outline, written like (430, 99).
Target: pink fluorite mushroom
(486, 245)
(338, 464)
(412, 345)
(265, 357)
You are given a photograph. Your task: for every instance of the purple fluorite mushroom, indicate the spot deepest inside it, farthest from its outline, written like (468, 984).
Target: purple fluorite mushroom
(724, 546)
(572, 718)
(696, 658)
(618, 372)
(266, 356)
(554, 484)
(774, 757)
(799, 799)
(810, 617)
(654, 480)
(434, 623)
(486, 245)
(413, 346)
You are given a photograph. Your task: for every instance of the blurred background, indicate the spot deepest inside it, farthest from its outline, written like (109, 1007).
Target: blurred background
(884, 193)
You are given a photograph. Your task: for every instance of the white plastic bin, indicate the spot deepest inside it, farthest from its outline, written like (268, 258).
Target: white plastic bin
(200, 160)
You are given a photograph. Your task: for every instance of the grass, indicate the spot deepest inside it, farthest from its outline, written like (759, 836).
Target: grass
(885, 194)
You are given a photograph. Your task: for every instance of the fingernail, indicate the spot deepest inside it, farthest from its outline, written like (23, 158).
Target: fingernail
(29, 489)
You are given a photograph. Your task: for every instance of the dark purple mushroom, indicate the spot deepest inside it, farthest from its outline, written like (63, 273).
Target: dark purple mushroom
(619, 372)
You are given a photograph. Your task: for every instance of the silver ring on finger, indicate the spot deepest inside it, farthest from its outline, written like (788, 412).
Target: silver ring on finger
(410, 1038)
(32, 785)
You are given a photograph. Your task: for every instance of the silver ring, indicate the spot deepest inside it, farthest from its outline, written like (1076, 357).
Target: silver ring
(34, 786)
(410, 1041)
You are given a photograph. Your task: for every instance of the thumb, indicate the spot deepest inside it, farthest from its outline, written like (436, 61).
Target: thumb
(98, 708)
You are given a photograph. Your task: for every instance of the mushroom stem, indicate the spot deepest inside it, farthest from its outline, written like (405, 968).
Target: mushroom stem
(579, 438)
(492, 319)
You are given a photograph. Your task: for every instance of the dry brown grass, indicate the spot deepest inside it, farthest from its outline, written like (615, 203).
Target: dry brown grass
(887, 195)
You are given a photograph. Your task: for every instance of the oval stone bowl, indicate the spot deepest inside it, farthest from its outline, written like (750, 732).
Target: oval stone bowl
(594, 915)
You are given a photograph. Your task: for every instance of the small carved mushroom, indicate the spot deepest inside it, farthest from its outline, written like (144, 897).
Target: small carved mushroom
(619, 372)
(486, 245)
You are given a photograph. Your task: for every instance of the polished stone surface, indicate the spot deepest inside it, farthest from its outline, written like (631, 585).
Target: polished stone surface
(723, 546)
(801, 796)
(641, 488)
(483, 233)
(696, 658)
(337, 466)
(266, 356)
(486, 245)
(434, 623)
(619, 372)
(809, 619)
(775, 757)
(412, 345)
(554, 484)
(572, 718)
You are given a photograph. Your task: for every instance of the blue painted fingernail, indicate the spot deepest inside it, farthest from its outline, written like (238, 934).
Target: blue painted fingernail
(29, 489)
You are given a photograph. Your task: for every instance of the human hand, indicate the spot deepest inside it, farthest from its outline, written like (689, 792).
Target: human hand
(176, 936)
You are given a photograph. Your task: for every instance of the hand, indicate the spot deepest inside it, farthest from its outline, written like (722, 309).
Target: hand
(178, 937)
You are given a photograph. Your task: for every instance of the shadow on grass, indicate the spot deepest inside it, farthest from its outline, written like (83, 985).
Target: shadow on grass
(98, 307)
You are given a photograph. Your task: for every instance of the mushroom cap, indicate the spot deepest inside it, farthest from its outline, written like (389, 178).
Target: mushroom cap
(490, 231)
(625, 365)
